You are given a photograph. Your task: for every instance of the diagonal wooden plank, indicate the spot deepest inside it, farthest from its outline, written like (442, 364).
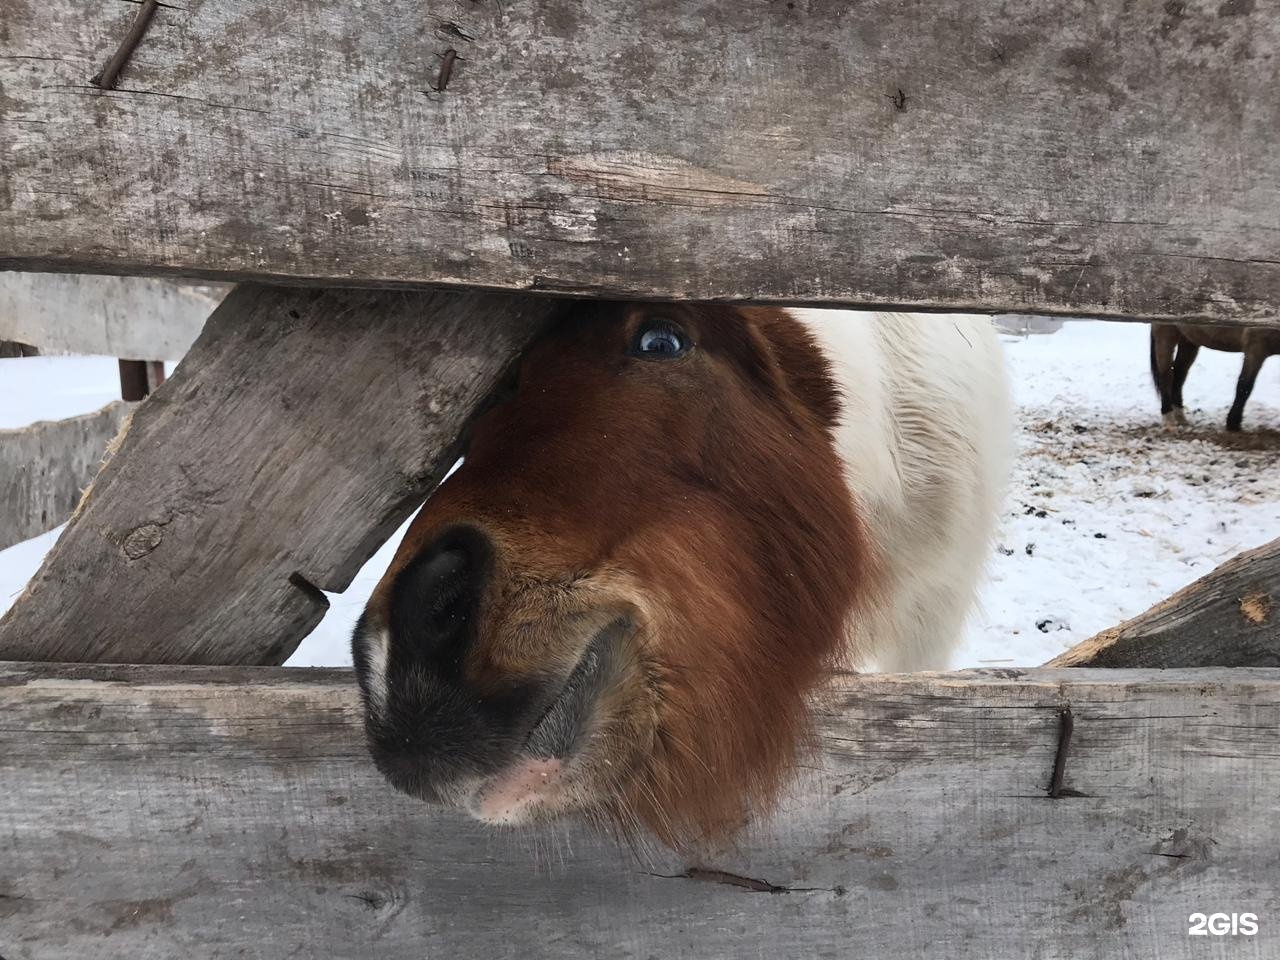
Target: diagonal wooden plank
(1035, 155)
(300, 430)
(1230, 617)
(152, 812)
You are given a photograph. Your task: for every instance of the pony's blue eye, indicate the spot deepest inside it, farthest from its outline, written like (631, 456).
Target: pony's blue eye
(660, 340)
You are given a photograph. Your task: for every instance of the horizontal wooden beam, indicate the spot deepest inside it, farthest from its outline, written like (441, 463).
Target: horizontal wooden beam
(1230, 617)
(302, 428)
(136, 318)
(1033, 156)
(155, 808)
(45, 467)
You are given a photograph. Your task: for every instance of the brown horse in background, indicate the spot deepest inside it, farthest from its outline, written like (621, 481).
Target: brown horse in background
(1174, 347)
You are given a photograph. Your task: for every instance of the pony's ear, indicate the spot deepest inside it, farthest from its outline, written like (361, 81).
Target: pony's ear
(796, 361)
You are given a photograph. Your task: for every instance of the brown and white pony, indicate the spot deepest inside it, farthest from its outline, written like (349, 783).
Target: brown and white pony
(660, 543)
(1174, 347)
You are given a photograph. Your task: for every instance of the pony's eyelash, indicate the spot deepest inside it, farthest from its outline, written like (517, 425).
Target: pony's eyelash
(657, 330)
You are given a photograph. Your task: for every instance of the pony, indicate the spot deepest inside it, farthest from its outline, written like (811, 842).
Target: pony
(674, 522)
(1174, 347)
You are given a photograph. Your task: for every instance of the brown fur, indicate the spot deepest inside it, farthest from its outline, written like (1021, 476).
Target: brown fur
(703, 497)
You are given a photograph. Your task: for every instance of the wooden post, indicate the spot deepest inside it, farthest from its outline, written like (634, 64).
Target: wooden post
(298, 433)
(138, 378)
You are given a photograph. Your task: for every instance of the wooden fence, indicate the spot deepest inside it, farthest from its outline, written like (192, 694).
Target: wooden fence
(233, 812)
(44, 467)
(1115, 160)
(132, 317)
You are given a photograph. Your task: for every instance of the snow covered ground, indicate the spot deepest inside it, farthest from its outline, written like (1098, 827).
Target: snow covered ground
(1106, 514)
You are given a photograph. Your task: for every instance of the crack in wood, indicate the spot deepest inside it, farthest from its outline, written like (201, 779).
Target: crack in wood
(178, 96)
(1201, 256)
(451, 29)
(752, 884)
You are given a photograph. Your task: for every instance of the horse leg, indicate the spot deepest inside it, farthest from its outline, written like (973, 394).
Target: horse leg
(1182, 362)
(1164, 338)
(1254, 356)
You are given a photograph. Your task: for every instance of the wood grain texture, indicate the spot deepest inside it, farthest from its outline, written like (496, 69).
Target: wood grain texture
(1230, 617)
(45, 467)
(301, 429)
(159, 812)
(137, 318)
(1032, 156)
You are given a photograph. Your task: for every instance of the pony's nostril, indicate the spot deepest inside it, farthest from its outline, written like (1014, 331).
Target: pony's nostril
(435, 598)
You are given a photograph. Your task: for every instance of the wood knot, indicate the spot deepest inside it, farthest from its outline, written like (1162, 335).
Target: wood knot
(142, 540)
(1256, 608)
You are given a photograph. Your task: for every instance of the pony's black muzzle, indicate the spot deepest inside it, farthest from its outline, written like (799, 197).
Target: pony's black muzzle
(429, 730)
(435, 729)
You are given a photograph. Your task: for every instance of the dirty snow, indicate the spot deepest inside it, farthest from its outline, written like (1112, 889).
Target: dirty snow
(1106, 514)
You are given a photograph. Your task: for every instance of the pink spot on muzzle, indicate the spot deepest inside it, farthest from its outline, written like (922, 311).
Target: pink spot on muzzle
(511, 794)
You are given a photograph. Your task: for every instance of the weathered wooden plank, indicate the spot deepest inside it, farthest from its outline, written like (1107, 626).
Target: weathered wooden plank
(1230, 617)
(133, 317)
(45, 466)
(1035, 155)
(151, 811)
(300, 430)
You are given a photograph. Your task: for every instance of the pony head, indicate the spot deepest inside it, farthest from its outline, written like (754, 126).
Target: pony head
(623, 601)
